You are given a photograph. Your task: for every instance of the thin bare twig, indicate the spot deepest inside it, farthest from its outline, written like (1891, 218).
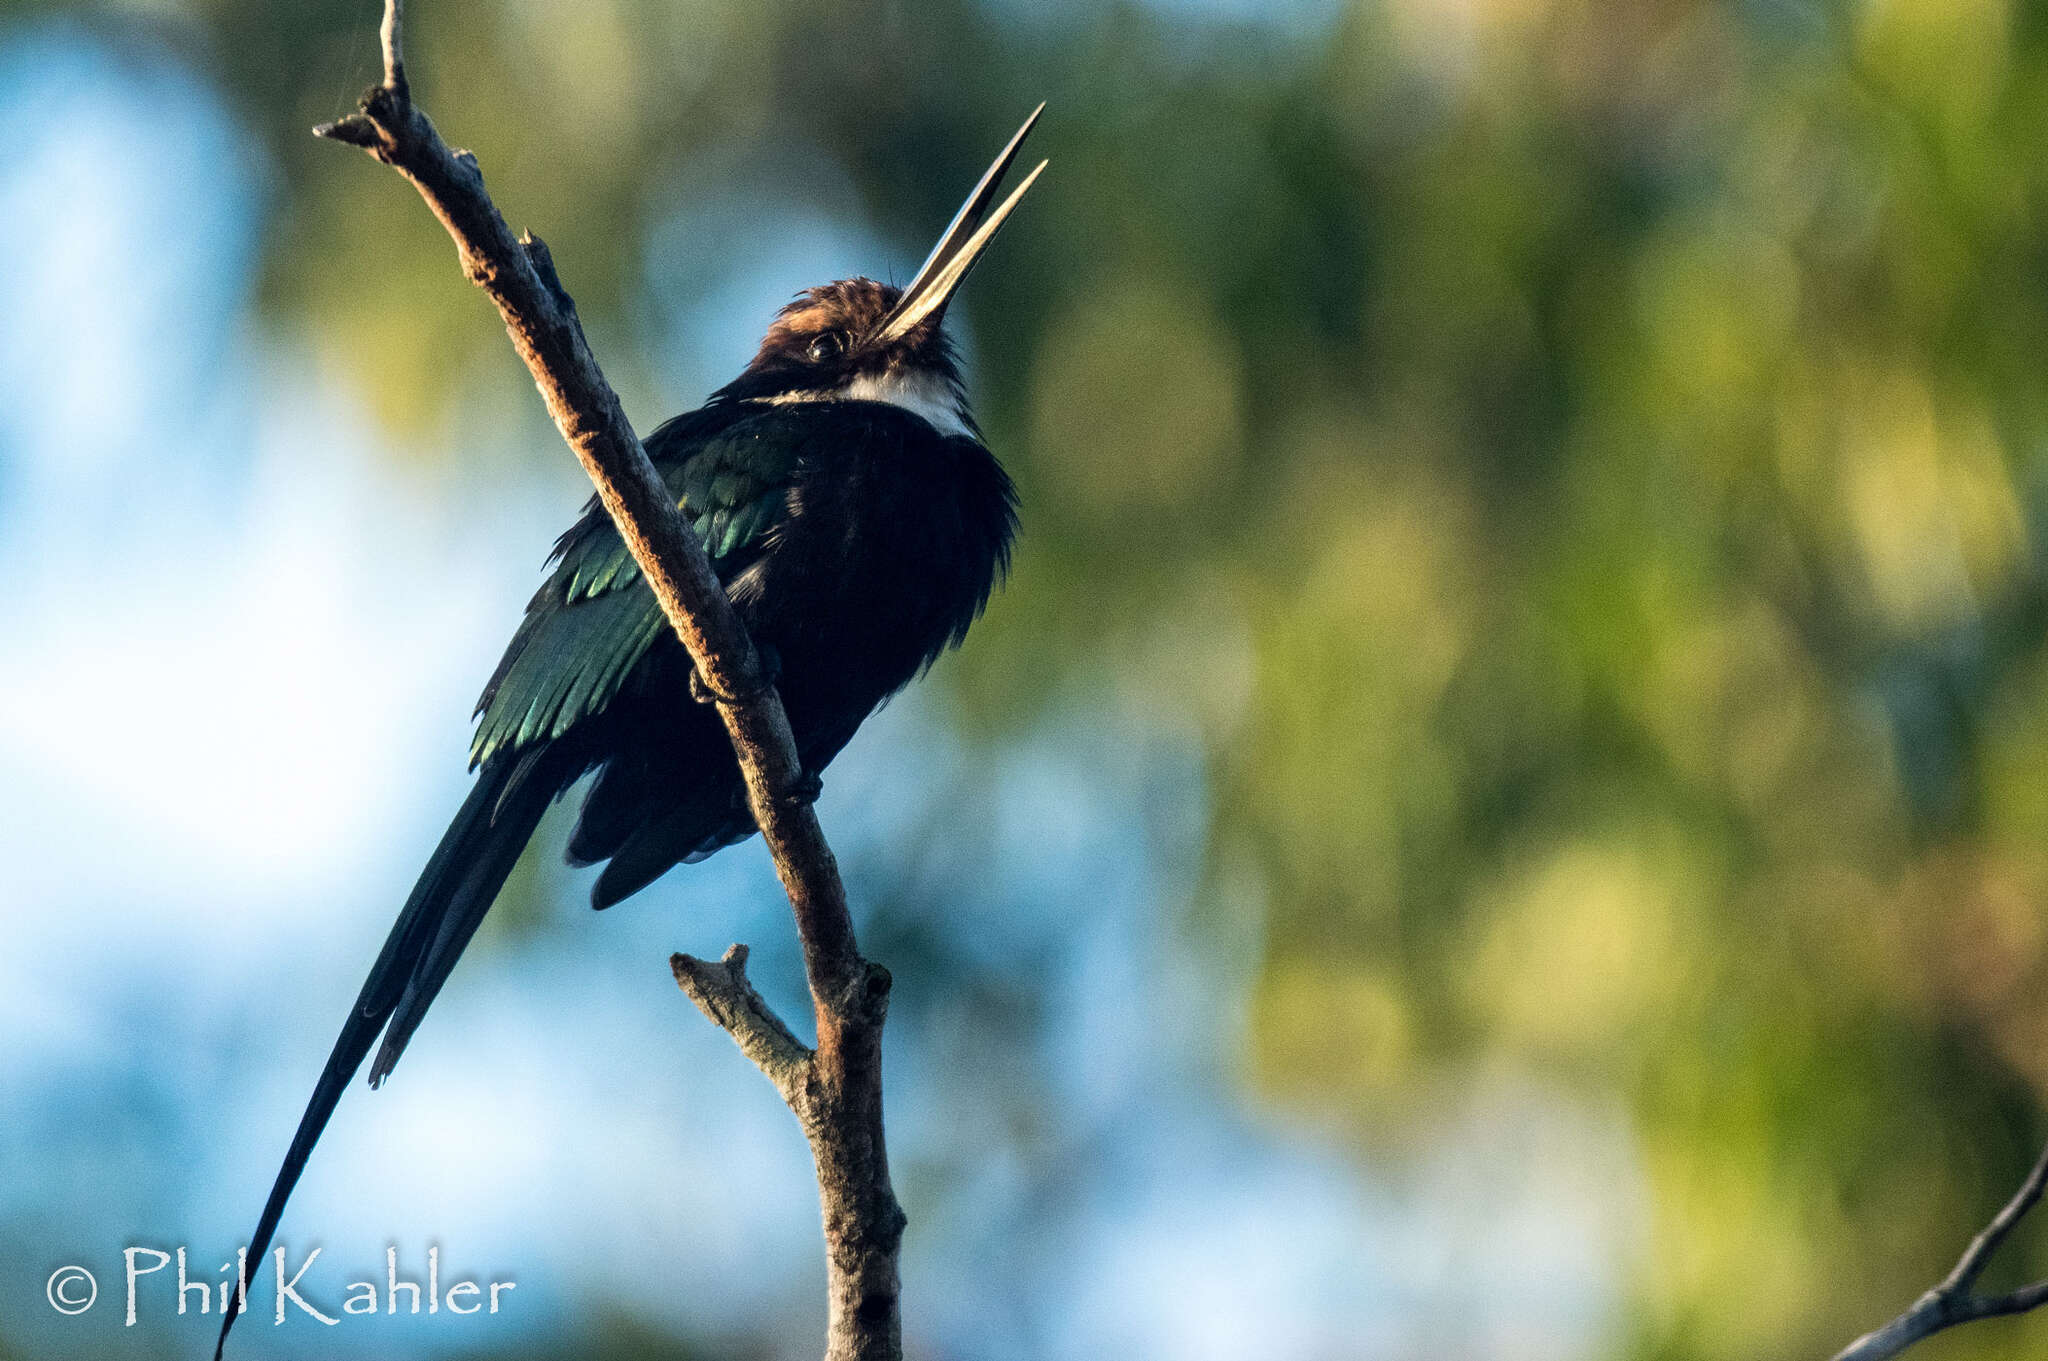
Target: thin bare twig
(1952, 1302)
(836, 1090)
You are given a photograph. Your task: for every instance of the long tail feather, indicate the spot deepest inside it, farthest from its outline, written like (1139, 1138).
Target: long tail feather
(514, 817)
(446, 905)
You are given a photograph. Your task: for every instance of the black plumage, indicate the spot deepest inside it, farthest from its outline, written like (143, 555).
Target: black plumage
(858, 523)
(856, 541)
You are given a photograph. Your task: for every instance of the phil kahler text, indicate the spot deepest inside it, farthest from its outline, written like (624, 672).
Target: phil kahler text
(300, 1290)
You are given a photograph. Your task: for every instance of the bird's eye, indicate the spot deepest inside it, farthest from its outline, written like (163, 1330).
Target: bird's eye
(830, 345)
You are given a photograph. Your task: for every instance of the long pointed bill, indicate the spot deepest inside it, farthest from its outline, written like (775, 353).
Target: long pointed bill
(966, 236)
(969, 216)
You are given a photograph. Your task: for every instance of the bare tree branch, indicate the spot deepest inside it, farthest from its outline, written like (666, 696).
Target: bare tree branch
(836, 1091)
(1952, 1302)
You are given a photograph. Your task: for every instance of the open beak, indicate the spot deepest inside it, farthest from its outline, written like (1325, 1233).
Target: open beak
(967, 236)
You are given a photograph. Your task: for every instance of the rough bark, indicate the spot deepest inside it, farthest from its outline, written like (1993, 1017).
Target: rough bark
(834, 1090)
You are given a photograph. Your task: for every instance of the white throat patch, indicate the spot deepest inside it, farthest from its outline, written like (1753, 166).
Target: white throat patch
(918, 393)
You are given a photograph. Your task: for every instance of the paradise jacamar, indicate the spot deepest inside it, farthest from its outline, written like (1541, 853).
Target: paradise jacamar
(858, 522)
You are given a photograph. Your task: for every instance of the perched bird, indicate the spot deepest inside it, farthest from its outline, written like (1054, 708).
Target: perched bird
(844, 495)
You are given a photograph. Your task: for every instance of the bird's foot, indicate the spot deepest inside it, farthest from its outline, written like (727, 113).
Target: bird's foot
(804, 790)
(768, 670)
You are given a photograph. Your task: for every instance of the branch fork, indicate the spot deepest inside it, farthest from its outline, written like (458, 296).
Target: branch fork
(1955, 1300)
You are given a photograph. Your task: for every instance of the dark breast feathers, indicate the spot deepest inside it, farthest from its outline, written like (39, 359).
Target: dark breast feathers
(857, 545)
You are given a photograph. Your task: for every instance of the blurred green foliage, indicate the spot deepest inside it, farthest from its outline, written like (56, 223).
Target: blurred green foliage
(1577, 470)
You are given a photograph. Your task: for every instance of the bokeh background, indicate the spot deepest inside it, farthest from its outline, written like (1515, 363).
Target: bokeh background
(1503, 814)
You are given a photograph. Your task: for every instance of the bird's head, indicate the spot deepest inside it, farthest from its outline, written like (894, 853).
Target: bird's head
(862, 340)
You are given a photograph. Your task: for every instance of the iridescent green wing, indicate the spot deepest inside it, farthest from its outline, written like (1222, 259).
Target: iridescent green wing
(594, 619)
